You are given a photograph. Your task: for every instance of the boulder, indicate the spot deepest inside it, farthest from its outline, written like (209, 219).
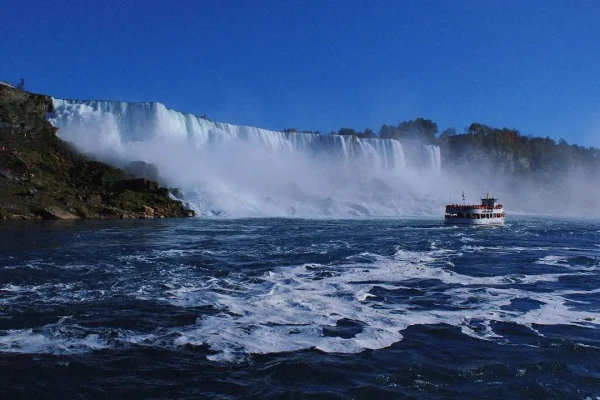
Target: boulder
(148, 210)
(54, 212)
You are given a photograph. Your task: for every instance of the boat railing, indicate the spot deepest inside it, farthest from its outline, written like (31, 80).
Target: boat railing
(477, 206)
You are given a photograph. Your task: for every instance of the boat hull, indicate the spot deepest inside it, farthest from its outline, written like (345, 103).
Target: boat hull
(471, 221)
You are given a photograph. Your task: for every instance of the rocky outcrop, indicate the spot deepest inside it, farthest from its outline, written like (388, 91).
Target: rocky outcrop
(136, 185)
(42, 177)
(141, 169)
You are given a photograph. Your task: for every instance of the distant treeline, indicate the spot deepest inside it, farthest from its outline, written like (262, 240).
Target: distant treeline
(421, 129)
(500, 150)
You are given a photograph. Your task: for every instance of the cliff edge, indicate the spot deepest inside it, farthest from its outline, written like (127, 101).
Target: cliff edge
(43, 177)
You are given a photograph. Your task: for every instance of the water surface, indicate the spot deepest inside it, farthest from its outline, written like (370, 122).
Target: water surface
(242, 308)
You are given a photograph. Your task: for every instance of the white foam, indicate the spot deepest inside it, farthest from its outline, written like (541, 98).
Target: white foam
(553, 260)
(28, 341)
(13, 288)
(289, 310)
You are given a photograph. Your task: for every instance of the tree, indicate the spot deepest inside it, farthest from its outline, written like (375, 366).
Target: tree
(346, 131)
(563, 145)
(368, 133)
(447, 133)
(388, 132)
(420, 129)
(21, 84)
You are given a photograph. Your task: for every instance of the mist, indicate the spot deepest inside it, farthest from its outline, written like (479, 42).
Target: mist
(237, 171)
(573, 191)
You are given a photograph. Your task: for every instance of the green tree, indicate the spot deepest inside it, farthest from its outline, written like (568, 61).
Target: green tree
(346, 132)
(388, 132)
(420, 129)
(368, 133)
(447, 133)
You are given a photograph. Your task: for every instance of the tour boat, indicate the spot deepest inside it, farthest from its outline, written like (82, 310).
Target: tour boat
(489, 212)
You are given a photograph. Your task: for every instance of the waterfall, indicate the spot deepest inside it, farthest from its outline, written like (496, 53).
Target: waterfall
(245, 171)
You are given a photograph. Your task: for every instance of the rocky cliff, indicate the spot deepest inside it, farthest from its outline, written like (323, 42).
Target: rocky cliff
(42, 177)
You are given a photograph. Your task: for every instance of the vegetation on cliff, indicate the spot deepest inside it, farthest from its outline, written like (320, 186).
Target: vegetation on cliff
(42, 176)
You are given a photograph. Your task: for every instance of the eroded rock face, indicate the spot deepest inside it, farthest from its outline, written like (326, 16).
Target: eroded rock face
(54, 212)
(136, 185)
(141, 169)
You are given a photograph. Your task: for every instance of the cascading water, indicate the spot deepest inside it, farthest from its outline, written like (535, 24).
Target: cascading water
(232, 170)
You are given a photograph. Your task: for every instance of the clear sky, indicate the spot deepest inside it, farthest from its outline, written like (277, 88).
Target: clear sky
(533, 65)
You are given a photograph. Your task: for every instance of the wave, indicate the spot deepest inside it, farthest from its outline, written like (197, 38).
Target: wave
(366, 302)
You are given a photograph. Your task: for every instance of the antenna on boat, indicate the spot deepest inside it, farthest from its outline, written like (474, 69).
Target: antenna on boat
(463, 197)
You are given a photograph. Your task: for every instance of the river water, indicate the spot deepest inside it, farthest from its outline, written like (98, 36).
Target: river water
(295, 308)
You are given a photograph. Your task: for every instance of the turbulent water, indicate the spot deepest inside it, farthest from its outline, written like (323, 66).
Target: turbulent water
(233, 170)
(259, 308)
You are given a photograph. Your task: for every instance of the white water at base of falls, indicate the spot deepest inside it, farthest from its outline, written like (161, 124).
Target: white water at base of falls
(242, 171)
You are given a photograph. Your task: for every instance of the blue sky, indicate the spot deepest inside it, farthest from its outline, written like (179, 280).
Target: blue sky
(531, 65)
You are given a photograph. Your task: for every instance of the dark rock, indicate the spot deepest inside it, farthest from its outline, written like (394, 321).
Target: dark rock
(106, 177)
(135, 185)
(141, 169)
(82, 212)
(177, 193)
